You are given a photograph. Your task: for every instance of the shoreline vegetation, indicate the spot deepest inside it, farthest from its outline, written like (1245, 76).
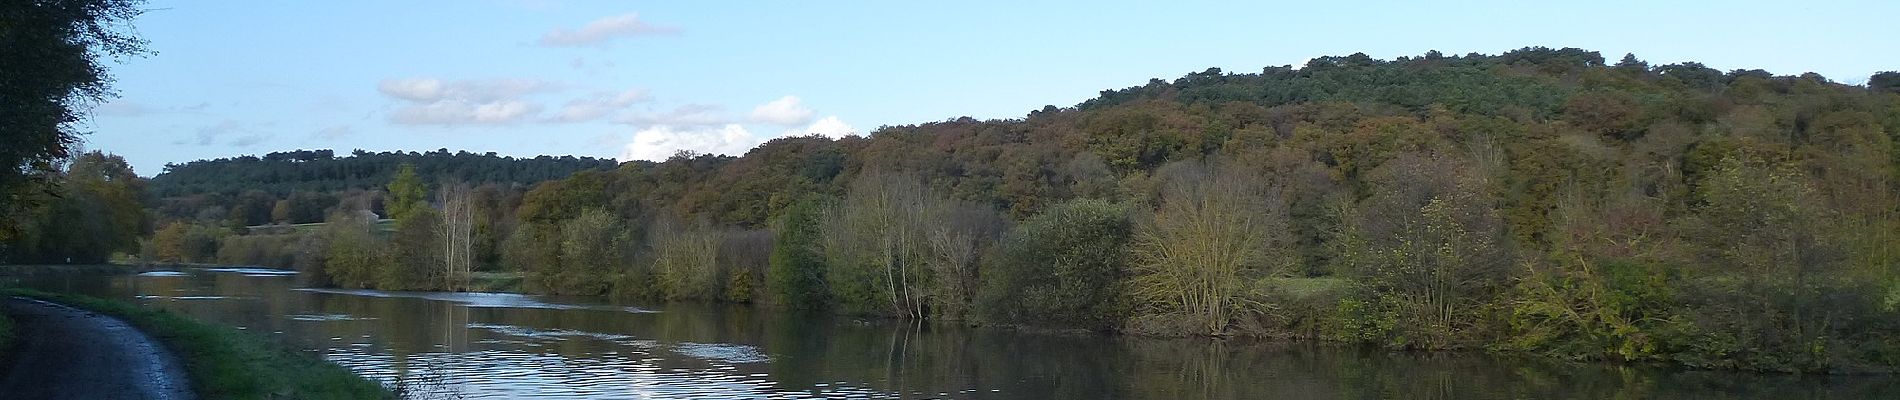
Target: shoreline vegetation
(1540, 201)
(225, 363)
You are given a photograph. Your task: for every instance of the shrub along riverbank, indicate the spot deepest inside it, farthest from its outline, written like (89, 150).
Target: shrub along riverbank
(225, 363)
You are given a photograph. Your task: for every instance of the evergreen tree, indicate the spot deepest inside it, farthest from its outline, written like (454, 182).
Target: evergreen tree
(406, 193)
(797, 271)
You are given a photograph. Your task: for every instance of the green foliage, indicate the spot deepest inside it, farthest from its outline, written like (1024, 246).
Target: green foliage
(1777, 273)
(54, 75)
(180, 242)
(1063, 268)
(91, 211)
(283, 174)
(876, 248)
(1618, 310)
(593, 246)
(1217, 228)
(1426, 250)
(797, 273)
(1885, 81)
(686, 260)
(415, 253)
(275, 251)
(407, 194)
(745, 256)
(353, 254)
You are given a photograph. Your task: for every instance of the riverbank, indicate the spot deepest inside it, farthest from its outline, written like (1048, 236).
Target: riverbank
(225, 363)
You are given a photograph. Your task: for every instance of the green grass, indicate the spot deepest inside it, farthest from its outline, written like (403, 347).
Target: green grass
(383, 225)
(495, 281)
(226, 363)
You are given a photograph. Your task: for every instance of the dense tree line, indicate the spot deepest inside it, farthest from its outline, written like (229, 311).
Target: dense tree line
(52, 72)
(304, 186)
(89, 210)
(282, 173)
(1542, 200)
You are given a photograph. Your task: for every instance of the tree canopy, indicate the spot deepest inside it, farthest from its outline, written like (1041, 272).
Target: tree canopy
(50, 75)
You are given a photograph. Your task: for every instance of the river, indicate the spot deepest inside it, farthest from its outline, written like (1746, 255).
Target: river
(480, 345)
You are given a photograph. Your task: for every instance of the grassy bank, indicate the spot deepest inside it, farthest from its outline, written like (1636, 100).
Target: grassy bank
(495, 282)
(225, 363)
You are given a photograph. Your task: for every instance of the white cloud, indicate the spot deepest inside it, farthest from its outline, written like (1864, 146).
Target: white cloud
(830, 127)
(452, 112)
(657, 143)
(414, 89)
(488, 101)
(602, 30)
(479, 90)
(786, 111)
(598, 105)
(686, 116)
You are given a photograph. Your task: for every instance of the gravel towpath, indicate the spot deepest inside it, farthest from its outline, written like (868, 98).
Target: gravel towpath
(67, 353)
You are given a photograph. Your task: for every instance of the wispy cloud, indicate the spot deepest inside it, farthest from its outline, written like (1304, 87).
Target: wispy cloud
(432, 89)
(432, 101)
(228, 132)
(334, 132)
(598, 105)
(128, 108)
(465, 113)
(604, 30)
(687, 116)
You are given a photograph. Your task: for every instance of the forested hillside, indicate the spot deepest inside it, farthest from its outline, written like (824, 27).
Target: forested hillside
(245, 190)
(283, 173)
(1543, 200)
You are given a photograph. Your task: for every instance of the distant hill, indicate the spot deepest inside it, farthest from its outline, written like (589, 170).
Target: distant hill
(283, 173)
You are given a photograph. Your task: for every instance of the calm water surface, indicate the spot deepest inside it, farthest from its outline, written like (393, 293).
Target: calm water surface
(473, 345)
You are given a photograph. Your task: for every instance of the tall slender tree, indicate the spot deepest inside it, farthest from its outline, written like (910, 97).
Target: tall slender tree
(458, 228)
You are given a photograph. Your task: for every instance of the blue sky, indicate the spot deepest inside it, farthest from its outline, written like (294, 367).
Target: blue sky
(640, 79)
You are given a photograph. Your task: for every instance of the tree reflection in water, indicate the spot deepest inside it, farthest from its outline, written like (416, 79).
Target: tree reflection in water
(451, 345)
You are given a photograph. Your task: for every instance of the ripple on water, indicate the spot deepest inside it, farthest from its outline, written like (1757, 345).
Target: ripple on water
(553, 334)
(161, 273)
(515, 373)
(723, 352)
(478, 299)
(328, 317)
(155, 297)
(254, 271)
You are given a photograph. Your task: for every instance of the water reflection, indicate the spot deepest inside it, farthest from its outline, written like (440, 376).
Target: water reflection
(515, 346)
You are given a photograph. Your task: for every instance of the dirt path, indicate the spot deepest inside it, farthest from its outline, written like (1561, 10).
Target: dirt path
(68, 353)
